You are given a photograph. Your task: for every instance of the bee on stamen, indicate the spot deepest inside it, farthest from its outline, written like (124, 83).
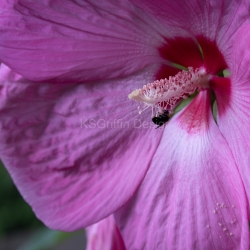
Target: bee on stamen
(161, 119)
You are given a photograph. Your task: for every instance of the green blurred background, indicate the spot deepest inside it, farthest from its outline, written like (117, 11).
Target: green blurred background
(21, 230)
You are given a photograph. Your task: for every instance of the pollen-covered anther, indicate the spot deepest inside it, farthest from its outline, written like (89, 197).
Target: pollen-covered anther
(165, 94)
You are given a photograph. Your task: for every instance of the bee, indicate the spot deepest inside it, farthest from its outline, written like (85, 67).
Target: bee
(161, 119)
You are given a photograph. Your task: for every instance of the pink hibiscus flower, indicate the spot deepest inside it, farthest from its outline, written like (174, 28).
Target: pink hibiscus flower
(76, 146)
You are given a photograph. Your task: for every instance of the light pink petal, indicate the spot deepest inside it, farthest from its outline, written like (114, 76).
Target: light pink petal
(63, 40)
(233, 100)
(217, 20)
(104, 235)
(192, 196)
(76, 152)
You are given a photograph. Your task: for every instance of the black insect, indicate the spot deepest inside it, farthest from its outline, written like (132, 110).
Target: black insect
(161, 119)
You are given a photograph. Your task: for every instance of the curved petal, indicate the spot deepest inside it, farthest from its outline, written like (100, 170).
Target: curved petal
(216, 20)
(104, 235)
(192, 195)
(61, 40)
(233, 105)
(76, 152)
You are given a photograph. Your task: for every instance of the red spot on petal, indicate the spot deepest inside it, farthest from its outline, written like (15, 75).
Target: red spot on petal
(222, 89)
(183, 51)
(186, 52)
(195, 118)
(166, 71)
(214, 61)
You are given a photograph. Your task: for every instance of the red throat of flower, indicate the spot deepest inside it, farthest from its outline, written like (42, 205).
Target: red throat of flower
(204, 63)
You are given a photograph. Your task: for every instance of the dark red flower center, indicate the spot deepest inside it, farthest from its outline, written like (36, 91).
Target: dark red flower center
(187, 52)
(190, 65)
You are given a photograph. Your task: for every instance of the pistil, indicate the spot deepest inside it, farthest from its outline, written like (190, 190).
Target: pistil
(163, 95)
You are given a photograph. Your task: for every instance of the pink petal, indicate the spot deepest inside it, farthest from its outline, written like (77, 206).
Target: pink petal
(70, 156)
(192, 196)
(216, 20)
(63, 40)
(233, 101)
(104, 235)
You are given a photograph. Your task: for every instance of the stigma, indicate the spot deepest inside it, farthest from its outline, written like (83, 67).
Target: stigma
(165, 94)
